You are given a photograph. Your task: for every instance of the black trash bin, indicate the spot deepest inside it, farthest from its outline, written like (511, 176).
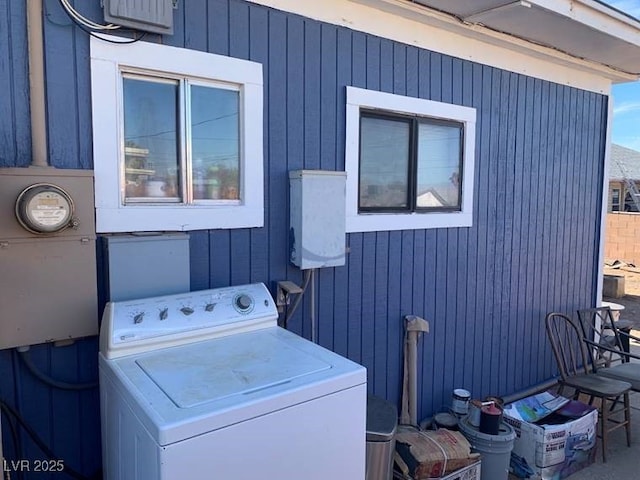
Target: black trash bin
(382, 421)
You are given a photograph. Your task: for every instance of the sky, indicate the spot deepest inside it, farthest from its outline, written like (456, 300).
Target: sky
(626, 96)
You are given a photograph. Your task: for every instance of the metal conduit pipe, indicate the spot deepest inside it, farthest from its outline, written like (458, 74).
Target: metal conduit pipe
(36, 99)
(540, 387)
(36, 84)
(314, 327)
(25, 356)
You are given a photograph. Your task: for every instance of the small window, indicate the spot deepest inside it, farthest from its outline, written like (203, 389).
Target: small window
(615, 200)
(177, 139)
(409, 162)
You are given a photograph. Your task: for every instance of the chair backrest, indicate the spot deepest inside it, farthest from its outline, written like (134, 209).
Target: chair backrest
(567, 345)
(597, 326)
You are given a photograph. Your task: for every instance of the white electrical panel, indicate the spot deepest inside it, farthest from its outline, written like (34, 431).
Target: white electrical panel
(317, 235)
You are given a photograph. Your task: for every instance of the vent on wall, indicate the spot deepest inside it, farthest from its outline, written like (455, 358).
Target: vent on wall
(148, 15)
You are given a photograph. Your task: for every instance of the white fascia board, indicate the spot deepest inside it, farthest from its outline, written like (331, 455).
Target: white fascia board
(416, 25)
(596, 16)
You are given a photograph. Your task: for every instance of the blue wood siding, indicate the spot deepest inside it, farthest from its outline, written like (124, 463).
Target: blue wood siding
(485, 289)
(15, 140)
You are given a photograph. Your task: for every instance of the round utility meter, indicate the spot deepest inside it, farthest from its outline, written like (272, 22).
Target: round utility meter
(44, 208)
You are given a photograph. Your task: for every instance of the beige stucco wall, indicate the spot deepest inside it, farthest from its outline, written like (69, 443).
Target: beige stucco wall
(622, 241)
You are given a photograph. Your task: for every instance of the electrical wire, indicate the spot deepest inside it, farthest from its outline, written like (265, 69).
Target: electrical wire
(28, 362)
(16, 446)
(295, 305)
(312, 309)
(91, 31)
(79, 18)
(8, 410)
(117, 42)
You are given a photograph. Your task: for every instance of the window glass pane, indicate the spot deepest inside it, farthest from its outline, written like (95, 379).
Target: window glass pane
(215, 143)
(439, 175)
(615, 200)
(152, 170)
(384, 162)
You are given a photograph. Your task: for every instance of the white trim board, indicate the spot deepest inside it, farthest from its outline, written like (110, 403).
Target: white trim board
(604, 206)
(412, 24)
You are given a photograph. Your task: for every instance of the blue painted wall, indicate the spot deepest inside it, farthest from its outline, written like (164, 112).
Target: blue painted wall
(485, 289)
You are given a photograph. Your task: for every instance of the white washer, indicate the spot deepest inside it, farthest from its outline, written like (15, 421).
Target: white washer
(205, 385)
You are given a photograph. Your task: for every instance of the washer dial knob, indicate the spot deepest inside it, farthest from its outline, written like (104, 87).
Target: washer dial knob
(244, 302)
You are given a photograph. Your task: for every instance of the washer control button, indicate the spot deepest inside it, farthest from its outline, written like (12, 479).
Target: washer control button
(244, 302)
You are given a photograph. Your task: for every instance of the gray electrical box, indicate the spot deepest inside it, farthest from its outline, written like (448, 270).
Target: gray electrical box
(48, 286)
(317, 218)
(147, 15)
(140, 266)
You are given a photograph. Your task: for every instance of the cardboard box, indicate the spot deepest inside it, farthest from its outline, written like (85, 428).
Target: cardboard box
(544, 451)
(432, 454)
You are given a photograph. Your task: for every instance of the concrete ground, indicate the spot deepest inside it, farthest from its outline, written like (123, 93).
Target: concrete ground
(623, 463)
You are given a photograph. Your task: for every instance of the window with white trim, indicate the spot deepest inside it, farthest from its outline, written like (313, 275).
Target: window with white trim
(409, 162)
(177, 139)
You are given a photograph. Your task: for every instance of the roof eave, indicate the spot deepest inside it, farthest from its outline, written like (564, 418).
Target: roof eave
(590, 13)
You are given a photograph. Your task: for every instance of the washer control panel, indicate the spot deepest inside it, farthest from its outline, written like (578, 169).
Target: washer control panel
(194, 315)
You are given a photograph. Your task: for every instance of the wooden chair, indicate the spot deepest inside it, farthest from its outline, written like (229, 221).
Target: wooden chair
(606, 346)
(576, 372)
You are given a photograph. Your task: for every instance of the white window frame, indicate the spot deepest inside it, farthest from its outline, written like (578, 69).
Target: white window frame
(357, 99)
(108, 62)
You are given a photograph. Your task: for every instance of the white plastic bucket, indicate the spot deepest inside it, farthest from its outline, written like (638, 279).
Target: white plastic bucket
(495, 450)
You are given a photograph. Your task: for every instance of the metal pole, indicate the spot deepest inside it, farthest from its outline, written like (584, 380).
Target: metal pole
(36, 84)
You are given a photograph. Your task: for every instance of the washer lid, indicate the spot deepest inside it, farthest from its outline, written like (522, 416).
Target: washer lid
(204, 372)
(184, 391)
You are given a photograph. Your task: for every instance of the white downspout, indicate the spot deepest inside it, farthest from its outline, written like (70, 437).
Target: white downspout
(36, 84)
(605, 200)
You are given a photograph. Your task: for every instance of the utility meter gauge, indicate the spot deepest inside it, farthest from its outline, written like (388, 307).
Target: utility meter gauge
(45, 208)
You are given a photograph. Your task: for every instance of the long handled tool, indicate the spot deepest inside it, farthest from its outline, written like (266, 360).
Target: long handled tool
(414, 326)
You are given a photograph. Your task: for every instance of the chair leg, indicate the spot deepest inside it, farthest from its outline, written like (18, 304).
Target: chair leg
(603, 428)
(627, 417)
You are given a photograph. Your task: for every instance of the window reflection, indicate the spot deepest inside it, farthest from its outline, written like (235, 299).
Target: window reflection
(439, 160)
(384, 162)
(151, 144)
(215, 143)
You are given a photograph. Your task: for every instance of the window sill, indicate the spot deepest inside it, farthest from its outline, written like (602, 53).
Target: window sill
(374, 222)
(177, 219)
